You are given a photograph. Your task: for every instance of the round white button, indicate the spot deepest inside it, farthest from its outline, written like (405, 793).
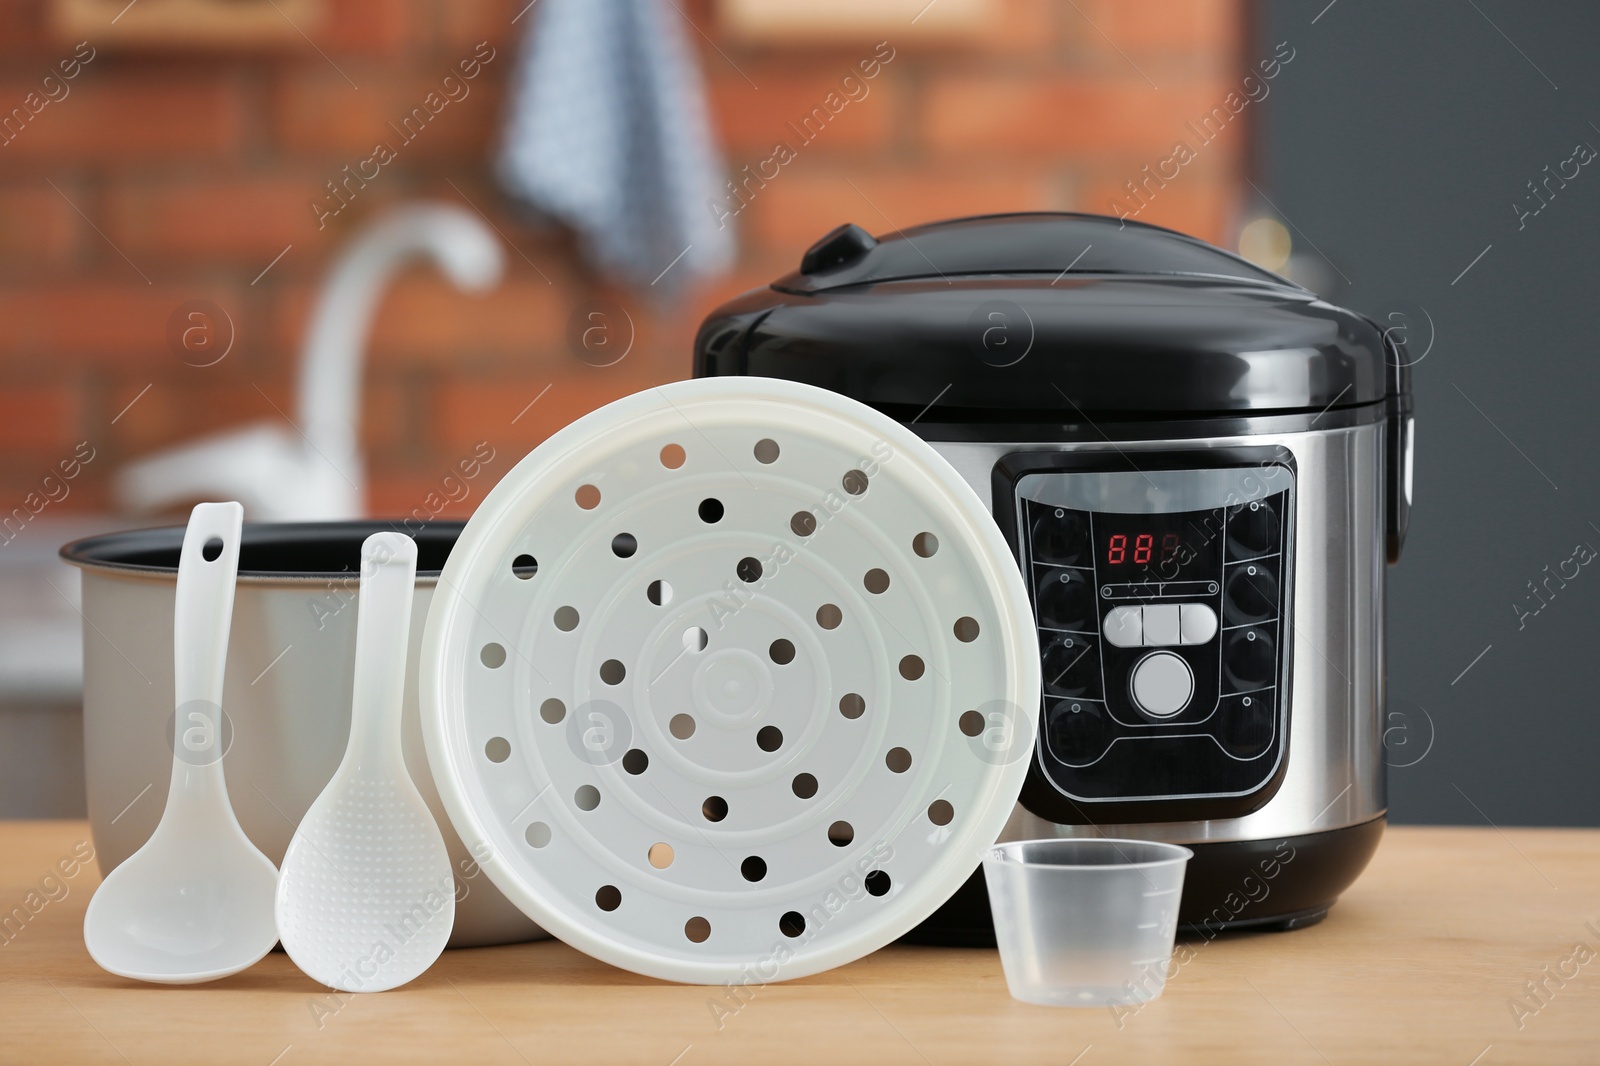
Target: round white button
(1162, 684)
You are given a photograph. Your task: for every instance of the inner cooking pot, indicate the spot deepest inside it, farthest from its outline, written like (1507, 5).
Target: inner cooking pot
(286, 688)
(303, 551)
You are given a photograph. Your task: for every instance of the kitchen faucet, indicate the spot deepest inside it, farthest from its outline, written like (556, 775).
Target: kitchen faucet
(314, 471)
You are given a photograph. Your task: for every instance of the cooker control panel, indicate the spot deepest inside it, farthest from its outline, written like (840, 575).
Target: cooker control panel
(1161, 594)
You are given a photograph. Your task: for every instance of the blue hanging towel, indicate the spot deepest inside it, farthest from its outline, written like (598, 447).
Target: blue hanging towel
(607, 131)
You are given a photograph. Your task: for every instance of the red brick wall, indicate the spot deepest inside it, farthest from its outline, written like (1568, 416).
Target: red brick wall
(192, 173)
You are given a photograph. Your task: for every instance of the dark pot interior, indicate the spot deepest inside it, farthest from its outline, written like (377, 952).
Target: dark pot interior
(269, 549)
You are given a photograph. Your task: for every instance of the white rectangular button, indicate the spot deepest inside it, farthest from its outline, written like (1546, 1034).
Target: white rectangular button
(1124, 627)
(1199, 623)
(1160, 624)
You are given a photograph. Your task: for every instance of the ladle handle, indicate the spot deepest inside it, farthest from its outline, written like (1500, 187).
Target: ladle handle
(383, 630)
(207, 569)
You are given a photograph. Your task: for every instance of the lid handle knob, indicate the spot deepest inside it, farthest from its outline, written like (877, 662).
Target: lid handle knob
(841, 246)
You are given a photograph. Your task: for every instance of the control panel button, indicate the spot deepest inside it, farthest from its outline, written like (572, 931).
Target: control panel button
(1249, 659)
(1060, 536)
(1197, 623)
(1161, 622)
(1246, 725)
(1252, 530)
(1078, 731)
(1066, 599)
(1124, 627)
(1252, 593)
(1162, 684)
(1071, 667)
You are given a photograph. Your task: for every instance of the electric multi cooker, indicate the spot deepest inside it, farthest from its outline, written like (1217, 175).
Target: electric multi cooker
(1201, 468)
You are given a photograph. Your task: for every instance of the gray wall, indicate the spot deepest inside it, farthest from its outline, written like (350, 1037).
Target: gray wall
(1397, 142)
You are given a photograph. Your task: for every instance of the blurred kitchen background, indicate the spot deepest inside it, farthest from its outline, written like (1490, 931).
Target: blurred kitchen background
(179, 177)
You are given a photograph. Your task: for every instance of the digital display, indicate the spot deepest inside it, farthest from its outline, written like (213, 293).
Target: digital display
(1142, 550)
(1158, 547)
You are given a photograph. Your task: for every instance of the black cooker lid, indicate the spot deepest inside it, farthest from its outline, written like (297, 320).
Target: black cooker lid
(1049, 317)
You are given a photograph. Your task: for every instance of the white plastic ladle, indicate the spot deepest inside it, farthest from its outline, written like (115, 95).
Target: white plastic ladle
(195, 902)
(367, 899)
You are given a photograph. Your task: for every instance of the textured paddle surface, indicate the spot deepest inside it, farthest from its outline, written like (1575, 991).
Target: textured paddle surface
(366, 898)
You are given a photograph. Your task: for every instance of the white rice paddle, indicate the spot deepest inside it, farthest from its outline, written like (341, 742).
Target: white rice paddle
(366, 899)
(195, 902)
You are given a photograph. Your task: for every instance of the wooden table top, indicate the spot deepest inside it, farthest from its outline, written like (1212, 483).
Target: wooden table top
(1427, 959)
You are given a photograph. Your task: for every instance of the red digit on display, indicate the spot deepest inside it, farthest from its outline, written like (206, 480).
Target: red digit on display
(1119, 548)
(1141, 548)
(1169, 546)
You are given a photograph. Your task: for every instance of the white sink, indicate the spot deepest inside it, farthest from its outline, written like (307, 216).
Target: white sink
(311, 469)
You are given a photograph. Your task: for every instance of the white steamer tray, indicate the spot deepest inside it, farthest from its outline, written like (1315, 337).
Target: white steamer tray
(730, 680)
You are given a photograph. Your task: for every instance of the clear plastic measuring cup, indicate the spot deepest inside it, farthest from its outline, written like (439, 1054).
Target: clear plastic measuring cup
(1088, 922)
